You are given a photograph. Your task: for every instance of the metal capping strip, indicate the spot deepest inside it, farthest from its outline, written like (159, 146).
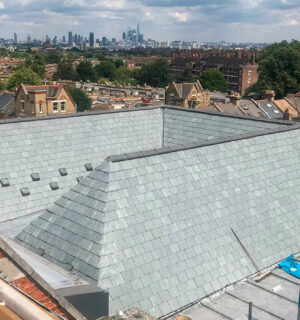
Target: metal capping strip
(230, 115)
(92, 113)
(74, 115)
(155, 152)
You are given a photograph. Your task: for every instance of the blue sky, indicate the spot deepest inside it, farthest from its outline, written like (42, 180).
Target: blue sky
(202, 20)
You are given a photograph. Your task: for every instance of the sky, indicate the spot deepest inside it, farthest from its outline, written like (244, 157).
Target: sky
(200, 20)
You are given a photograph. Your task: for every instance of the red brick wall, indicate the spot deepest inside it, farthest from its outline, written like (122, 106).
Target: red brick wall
(31, 289)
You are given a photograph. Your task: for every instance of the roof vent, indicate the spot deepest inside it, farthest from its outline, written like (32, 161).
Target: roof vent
(88, 167)
(4, 182)
(25, 192)
(54, 185)
(63, 172)
(79, 179)
(35, 177)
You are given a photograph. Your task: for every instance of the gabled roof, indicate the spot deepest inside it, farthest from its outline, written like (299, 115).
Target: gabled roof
(153, 227)
(5, 99)
(185, 88)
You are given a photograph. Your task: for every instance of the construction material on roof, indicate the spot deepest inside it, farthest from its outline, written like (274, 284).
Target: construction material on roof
(291, 266)
(275, 297)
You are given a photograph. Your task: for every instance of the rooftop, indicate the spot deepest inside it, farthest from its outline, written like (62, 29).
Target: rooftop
(153, 227)
(275, 297)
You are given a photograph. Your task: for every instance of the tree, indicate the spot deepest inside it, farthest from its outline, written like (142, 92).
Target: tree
(279, 69)
(2, 86)
(53, 57)
(37, 63)
(106, 69)
(82, 101)
(119, 63)
(24, 75)
(65, 69)
(213, 80)
(85, 71)
(186, 76)
(123, 74)
(155, 74)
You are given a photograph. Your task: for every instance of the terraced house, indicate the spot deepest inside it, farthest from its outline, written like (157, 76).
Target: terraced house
(39, 101)
(140, 203)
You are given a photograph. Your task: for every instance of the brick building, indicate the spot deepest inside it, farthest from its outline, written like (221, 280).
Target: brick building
(188, 95)
(239, 72)
(38, 101)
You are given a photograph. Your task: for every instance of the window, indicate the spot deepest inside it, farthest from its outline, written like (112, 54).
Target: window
(55, 107)
(249, 80)
(63, 106)
(22, 105)
(41, 108)
(249, 73)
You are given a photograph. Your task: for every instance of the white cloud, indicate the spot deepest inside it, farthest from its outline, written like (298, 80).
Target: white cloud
(180, 16)
(2, 6)
(293, 22)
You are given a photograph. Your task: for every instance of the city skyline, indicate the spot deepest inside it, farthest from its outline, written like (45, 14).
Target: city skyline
(201, 20)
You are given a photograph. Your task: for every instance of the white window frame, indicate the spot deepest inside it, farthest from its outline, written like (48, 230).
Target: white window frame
(63, 102)
(55, 103)
(249, 80)
(41, 107)
(22, 105)
(249, 72)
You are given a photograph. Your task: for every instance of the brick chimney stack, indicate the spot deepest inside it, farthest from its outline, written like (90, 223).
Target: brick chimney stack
(235, 98)
(270, 94)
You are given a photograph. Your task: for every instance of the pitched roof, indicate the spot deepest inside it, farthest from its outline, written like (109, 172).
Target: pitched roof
(251, 109)
(230, 108)
(51, 90)
(154, 228)
(283, 105)
(5, 99)
(269, 108)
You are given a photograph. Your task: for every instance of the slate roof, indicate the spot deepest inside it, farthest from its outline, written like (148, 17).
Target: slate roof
(5, 99)
(45, 146)
(269, 108)
(52, 90)
(154, 229)
(77, 143)
(275, 297)
(251, 109)
(230, 108)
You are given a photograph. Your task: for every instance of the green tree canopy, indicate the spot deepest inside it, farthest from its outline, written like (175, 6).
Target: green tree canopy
(186, 76)
(2, 85)
(119, 63)
(65, 69)
(53, 57)
(37, 63)
(123, 74)
(81, 99)
(213, 80)
(279, 69)
(25, 76)
(106, 69)
(85, 71)
(155, 74)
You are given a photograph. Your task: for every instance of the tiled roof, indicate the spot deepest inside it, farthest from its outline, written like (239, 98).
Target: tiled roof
(269, 109)
(155, 231)
(5, 99)
(251, 109)
(230, 108)
(284, 105)
(45, 146)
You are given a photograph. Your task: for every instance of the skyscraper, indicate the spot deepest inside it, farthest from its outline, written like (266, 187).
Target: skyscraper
(15, 38)
(138, 29)
(70, 38)
(92, 40)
